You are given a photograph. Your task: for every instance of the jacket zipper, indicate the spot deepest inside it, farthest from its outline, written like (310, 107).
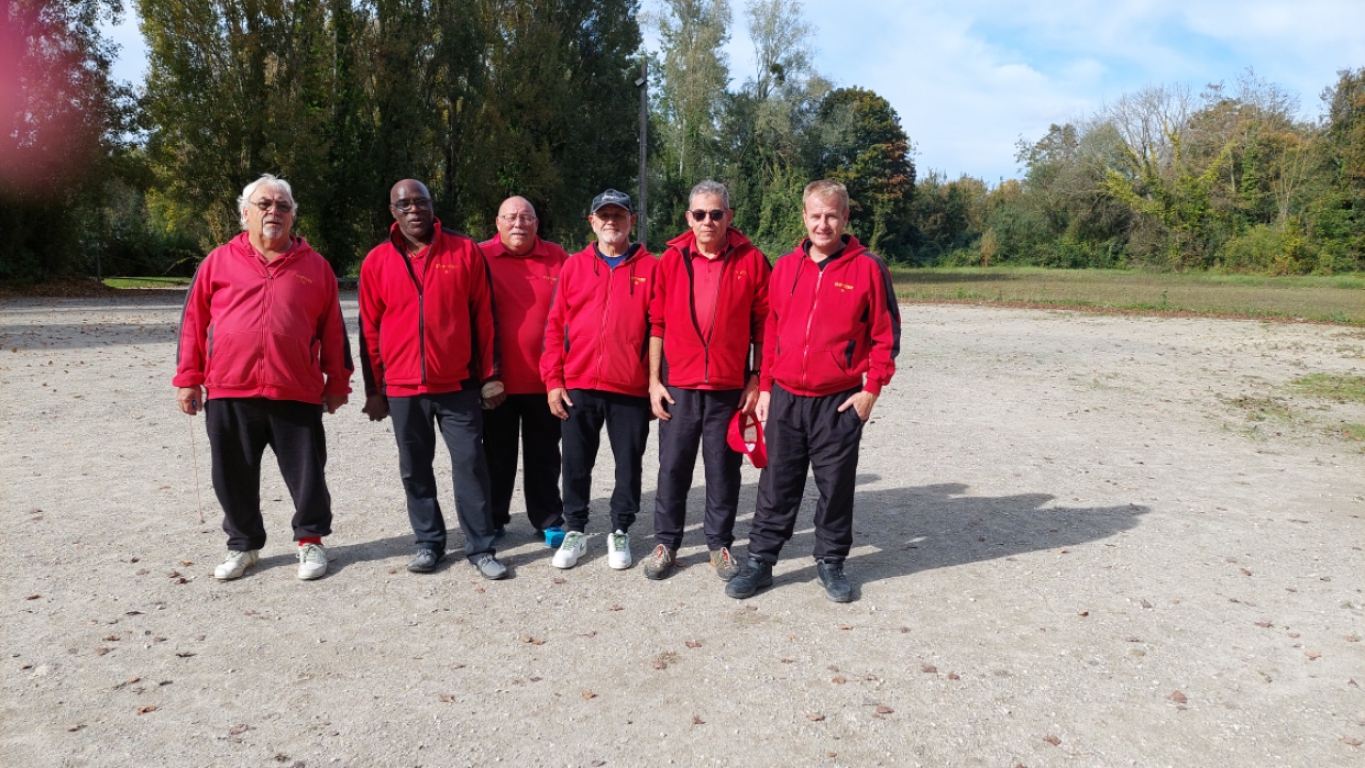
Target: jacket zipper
(805, 352)
(692, 303)
(421, 310)
(601, 336)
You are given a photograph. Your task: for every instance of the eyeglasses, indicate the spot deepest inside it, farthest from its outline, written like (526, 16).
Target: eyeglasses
(715, 213)
(279, 205)
(521, 218)
(407, 206)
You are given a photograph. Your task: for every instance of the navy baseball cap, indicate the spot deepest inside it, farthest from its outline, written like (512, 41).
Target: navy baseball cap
(611, 197)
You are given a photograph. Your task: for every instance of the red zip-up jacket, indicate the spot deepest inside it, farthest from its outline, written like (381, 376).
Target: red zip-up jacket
(718, 360)
(597, 333)
(827, 327)
(252, 328)
(524, 287)
(432, 335)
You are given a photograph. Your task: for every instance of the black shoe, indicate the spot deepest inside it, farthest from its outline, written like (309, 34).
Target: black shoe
(835, 583)
(425, 561)
(755, 576)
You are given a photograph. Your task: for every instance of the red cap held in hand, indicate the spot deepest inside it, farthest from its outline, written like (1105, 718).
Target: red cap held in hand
(746, 437)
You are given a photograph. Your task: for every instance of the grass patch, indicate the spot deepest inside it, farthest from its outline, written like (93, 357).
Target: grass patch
(1336, 299)
(1261, 408)
(147, 282)
(1339, 388)
(1354, 432)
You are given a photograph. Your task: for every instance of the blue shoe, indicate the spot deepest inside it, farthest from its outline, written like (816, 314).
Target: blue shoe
(554, 536)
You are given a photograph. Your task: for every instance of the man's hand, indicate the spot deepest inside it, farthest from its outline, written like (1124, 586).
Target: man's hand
(190, 399)
(333, 402)
(559, 397)
(761, 410)
(658, 393)
(861, 402)
(748, 399)
(376, 407)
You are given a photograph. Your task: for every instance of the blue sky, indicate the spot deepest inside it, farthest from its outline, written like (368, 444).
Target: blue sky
(969, 78)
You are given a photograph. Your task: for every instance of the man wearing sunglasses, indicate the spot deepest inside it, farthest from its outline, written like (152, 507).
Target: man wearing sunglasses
(524, 269)
(262, 331)
(596, 342)
(709, 306)
(833, 333)
(429, 355)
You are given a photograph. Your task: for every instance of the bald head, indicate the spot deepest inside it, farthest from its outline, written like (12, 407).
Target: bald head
(517, 225)
(410, 204)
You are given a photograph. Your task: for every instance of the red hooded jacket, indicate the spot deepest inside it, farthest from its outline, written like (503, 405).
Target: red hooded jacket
(253, 328)
(694, 359)
(829, 326)
(597, 334)
(432, 335)
(524, 287)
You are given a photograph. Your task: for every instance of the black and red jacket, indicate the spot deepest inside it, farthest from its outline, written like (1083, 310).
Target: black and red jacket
(831, 323)
(597, 334)
(257, 328)
(718, 360)
(432, 335)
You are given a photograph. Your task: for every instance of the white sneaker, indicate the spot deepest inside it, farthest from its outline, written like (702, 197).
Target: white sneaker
(575, 544)
(312, 562)
(618, 550)
(236, 564)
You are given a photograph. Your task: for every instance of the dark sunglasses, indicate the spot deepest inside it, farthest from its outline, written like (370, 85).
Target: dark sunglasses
(715, 213)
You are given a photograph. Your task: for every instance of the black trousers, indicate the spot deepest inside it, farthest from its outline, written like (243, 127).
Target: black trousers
(627, 421)
(529, 417)
(239, 430)
(807, 433)
(699, 416)
(459, 415)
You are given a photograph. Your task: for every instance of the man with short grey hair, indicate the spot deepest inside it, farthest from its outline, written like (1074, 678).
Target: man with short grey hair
(708, 310)
(262, 331)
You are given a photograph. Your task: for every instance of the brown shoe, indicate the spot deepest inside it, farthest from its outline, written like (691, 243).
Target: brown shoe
(725, 565)
(660, 563)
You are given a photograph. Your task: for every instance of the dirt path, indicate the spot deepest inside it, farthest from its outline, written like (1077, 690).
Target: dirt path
(1081, 540)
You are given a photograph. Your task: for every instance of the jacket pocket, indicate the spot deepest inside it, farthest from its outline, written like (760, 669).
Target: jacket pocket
(233, 360)
(289, 365)
(621, 364)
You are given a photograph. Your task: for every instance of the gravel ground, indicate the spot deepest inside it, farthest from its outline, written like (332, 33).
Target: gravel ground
(1081, 540)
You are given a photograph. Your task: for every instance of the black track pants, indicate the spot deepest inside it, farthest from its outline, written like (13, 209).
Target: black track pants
(700, 417)
(802, 433)
(239, 430)
(627, 421)
(527, 417)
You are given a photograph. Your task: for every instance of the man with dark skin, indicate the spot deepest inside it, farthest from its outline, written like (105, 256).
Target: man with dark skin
(429, 354)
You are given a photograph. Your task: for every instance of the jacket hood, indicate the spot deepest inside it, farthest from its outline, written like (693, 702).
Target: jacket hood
(851, 247)
(687, 241)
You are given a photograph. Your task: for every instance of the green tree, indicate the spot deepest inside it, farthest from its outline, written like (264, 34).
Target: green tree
(61, 122)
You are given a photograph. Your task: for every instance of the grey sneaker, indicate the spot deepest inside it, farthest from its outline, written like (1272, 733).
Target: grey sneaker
(489, 567)
(235, 564)
(312, 562)
(724, 563)
(755, 576)
(425, 561)
(660, 563)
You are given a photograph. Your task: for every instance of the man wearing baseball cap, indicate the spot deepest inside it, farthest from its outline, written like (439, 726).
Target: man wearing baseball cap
(594, 368)
(709, 307)
(831, 341)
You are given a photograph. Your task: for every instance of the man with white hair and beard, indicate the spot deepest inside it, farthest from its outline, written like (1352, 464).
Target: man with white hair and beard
(262, 332)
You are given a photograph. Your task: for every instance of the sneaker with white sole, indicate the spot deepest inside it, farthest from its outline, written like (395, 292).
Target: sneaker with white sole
(618, 550)
(574, 546)
(312, 562)
(235, 564)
